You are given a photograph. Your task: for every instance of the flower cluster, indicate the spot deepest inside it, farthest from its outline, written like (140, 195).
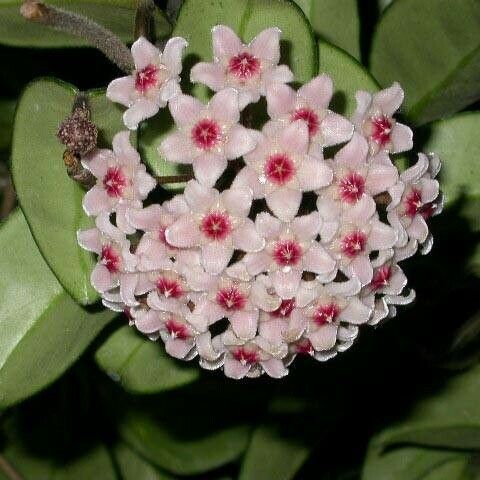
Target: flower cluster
(298, 251)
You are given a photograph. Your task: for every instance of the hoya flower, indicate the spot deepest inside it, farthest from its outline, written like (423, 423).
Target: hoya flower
(357, 179)
(280, 169)
(175, 331)
(115, 261)
(415, 199)
(310, 103)
(217, 223)
(291, 249)
(247, 68)
(373, 118)
(326, 314)
(207, 136)
(122, 181)
(235, 300)
(152, 84)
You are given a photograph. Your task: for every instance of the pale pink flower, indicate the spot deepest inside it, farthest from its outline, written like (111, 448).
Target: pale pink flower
(152, 84)
(326, 314)
(217, 223)
(175, 331)
(373, 119)
(310, 103)
(357, 179)
(115, 262)
(122, 181)
(415, 198)
(291, 249)
(280, 169)
(248, 68)
(207, 136)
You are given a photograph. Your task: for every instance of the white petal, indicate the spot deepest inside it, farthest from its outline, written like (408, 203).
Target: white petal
(128, 284)
(279, 74)
(121, 89)
(147, 219)
(244, 323)
(364, 100)
(208, 168)
(102, 279)
(215, 257)
(306, 227)
(141, 109)
(418, 229)
(267, 225)
(401, 137)
(149, 322)
(185, 109)
(295, 138)
(389, 99)
(317, 260)
(169, 89)
(355, 312)
(314, 174)
(318, 92)
(381, 236)
(98, 161)
(286, 284)
(335, 129)
(266, 45)
(234, 369)
(225, 42)
(324, 338)
(240, 142)
(183, 233)
(144, 53)
(247, 238)
(199, 197)
(257, 262)
(284, 203)
(280, 100)
(361, 268)
(172, 54)
(237, 201)
(274, 368)
(178, 348)
(210, 74)
(224, 106)
(96, 201)
(362, 211)
(353, 153)
(90, 240)
(176, 148)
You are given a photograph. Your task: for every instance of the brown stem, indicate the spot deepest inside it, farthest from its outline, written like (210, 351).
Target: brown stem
(144, 19)
(9, 199)
(7, 468)
(173, 179)
(104, 40)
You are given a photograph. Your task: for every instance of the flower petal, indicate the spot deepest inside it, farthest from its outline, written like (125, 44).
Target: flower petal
(172, 54)
(284, 203)
(274, 368)
(208, 168)
(178, 348)
(244, 323)
(324, 338)
(144, 53)
(96, 201)
(317, 92)
(183, 233)
(185, 110)
(295, 138)
(317, 260)
(141, 109)
(361, 268)
(266, 45)
(335, 129)
(176, 148)
(247, 238)
(355, 312)
(225, 42)
(313, 174)
(215, 257)
(280, 100)
(210, 74)
(147, 219)
(237, 201)
(149, 322)
(306, 227)
(199, 197)
(224, 106)
(381, 236)
(121, 89)
(90, 240)
(286, 283)
(267, 225)
(389, 99)
(240, 142)
(360, 212)
(102, 279)
(354, 153)
(234, 369)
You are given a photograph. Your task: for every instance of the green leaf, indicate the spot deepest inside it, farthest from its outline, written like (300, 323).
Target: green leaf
(417, 463)
(348, 76)
(140, 365)
(42, 330)
(187, 431)
(433, 50)
(336, 21)
(457, 142)
(7, 110)
(133, 467)
(247, 18)
(272, 455)
(449, 417)
(51, 201)
(116, 15)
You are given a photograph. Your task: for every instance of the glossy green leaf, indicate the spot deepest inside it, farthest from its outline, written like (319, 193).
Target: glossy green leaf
(133, 467)
(433, 50)
(187, 431)
(457, 142)
(140, 365)
(336, 21)
(7, 110)
(51, 201)
(116, 15)
(272, 455)
(449, 417)
(348, 76)
(417, 463)
(42, 330)
(247, 18)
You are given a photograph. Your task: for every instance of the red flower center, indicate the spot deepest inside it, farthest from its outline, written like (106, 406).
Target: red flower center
(287, 253)
(351, 187)
(244, 66)
(177, 329)
(279, 168)
(110, 258)
(216, 226)
(169, 288)
(310, 117)
(114, 182)
(285, 308)
(146, 78)
(304, 347)
(326, 313)
(353, 243)
(245, 356)
(231, 298)
(206, 134)
(381, 129)
(413, 202)
(381, 277)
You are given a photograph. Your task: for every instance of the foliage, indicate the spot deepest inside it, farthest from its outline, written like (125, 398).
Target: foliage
(83, 396)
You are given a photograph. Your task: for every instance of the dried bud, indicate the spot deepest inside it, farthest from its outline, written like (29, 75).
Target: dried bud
(78, 133)
(34, 11)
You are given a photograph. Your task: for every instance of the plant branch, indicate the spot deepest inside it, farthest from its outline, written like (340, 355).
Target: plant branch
(7, 468)
(144, 19)
(104, 40)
